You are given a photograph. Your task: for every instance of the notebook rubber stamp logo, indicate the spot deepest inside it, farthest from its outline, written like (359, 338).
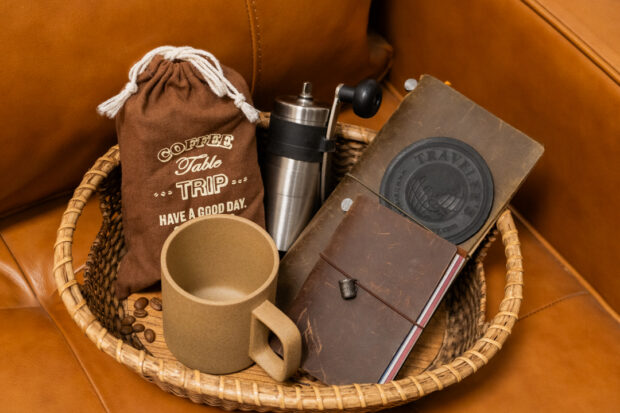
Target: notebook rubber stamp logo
(442, 183)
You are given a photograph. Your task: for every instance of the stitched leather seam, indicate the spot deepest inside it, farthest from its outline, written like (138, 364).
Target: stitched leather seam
(47, 313)
(574, 39)
(389, 86)
(257, 56)
(78, 359)
(72, 350)
(19, 267)
(552, 303)
(37, 202)
(567, 267)
(259, 47)
(389, 50)
(251, 22)
(19, 307)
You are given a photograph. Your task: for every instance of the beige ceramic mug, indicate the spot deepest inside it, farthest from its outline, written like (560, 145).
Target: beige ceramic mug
(218, 287)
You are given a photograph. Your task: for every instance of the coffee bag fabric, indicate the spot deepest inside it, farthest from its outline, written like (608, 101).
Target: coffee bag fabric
(187, 148)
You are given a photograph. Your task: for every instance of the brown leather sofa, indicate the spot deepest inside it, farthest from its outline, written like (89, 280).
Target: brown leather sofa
(549, 67)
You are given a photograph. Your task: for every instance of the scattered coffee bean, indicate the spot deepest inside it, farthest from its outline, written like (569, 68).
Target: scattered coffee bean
(140, 303)
(129, 320)
(138, 327)
(140, 313)
(156, 303)
(149, 335)
(135, 341)
(126, 330)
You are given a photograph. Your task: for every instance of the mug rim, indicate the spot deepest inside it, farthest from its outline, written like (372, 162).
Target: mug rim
(270, 279)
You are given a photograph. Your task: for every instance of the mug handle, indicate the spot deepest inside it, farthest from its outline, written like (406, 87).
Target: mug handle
(267, 317)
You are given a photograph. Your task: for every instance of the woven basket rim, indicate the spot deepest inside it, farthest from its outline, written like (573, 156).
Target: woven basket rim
(248, 394)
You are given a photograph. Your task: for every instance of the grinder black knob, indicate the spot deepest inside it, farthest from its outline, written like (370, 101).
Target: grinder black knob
(365, 97)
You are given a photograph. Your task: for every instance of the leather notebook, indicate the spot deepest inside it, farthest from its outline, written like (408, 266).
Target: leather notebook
(401, 272)
(433, 112)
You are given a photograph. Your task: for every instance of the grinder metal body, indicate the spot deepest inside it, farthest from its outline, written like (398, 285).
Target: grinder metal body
(292, 166)
(297, 166)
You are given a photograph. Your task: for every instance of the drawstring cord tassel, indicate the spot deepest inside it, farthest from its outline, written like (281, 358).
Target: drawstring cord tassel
(208, 66)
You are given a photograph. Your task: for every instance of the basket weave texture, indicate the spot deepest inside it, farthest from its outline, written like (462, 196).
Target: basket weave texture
(469, 342)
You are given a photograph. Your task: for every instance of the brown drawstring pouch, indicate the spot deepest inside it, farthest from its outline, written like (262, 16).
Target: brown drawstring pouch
(188, 148)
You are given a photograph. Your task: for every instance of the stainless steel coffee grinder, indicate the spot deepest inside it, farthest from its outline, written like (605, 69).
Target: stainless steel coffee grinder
(296, 168)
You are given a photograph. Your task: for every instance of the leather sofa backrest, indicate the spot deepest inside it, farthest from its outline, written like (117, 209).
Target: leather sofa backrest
(60, 59)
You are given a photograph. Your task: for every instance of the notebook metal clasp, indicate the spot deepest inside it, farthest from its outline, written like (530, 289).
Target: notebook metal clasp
(348, 288)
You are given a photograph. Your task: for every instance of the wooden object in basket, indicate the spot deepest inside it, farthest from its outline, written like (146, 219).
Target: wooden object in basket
(470, 344)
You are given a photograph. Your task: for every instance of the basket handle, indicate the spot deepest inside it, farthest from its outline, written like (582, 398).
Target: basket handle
(268, 317)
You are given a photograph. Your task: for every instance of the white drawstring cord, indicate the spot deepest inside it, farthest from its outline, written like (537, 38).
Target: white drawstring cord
(208, 66)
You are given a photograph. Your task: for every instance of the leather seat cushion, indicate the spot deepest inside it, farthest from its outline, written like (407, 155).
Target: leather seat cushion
(40, 372)
(14, 289)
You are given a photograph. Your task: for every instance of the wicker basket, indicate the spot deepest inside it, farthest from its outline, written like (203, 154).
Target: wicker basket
(465, 341)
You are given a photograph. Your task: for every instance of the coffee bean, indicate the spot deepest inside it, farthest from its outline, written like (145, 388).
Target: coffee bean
(117, 323)
(156, 303)
(140, 313)
(140, 303)
(136, 343)
(126, 330)
(149, 335)
(138, 327)
(127, 321)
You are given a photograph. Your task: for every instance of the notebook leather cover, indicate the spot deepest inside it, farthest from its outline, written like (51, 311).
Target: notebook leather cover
(397, 265)
(431, 110)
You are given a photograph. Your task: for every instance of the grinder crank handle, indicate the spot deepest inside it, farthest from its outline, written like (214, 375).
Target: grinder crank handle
(366, 99)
